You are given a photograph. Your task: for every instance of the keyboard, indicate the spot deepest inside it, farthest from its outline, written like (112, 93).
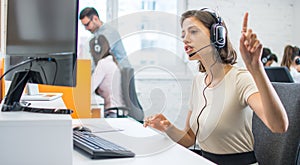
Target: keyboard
(48, 110)
(99, 148)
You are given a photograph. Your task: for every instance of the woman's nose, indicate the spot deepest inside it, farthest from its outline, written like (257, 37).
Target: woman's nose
(186, 39)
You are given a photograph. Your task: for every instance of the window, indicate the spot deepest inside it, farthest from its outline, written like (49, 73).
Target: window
(150, 33)
(149, 30)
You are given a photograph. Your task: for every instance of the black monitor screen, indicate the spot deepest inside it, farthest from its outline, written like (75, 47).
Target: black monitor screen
(41, 26)
(42, 29)
(279, 74)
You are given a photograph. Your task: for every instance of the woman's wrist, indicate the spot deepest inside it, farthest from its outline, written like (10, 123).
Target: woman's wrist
(256, 69)
(169, 128)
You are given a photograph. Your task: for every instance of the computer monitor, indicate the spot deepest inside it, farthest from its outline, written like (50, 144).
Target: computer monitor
(41, 41)
(279, 74)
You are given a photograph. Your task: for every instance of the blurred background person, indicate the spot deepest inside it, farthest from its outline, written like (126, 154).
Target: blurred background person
(291, 59)
(90, 19)
(106, 79)
(267, 57)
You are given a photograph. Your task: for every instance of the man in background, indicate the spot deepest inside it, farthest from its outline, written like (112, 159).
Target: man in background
(89, 17)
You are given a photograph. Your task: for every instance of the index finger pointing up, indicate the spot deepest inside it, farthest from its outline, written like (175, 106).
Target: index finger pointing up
(245, 23)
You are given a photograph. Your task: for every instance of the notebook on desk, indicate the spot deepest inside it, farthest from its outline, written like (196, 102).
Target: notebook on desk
(41, 97)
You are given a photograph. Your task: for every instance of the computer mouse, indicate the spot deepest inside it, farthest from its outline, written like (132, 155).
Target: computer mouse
(81, 128)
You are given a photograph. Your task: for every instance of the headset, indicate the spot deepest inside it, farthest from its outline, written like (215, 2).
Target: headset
(264, 60)
(97, 47)
(296, 53)
(217, 30)
(297, 61)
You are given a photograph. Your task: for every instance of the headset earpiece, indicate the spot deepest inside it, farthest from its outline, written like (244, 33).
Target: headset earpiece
(297, 61)
(97, 47)
(218, 34)
(264, 60)
(217, 30)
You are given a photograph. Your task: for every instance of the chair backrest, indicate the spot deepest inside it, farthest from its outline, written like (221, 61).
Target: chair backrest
(278, 149)
(129, 94)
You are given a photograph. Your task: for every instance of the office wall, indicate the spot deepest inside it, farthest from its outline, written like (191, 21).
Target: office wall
(0, 20)
(295, 20)
(1, 57)
(3, 4)
(275, 21)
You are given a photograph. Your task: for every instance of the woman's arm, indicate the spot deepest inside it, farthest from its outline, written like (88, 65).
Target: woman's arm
(184, 137)
(266, 103)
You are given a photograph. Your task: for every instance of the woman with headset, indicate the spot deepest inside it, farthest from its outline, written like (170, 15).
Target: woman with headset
(223, 96)
(267, 57)
(291, 59)
(106, 78)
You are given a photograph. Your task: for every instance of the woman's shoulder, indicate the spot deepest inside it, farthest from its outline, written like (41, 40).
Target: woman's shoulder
(239, 70)
(240, 74)
(107, 62)
(106, 59)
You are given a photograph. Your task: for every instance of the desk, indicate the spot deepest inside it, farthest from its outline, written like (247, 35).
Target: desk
(150, 147)
(36, 138)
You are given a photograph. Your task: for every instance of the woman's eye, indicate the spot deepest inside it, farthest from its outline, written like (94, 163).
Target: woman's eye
(182, 36)
(194, 31)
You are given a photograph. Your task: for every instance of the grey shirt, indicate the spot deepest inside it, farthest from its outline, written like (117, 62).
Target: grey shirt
(115, 42)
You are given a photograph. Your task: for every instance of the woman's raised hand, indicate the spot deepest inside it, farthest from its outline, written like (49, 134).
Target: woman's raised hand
(250, 46)
(158, 121)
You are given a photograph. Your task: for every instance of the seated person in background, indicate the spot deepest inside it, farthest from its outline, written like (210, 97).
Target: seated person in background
(267, 57)
(223, 96)
(291, 59)
(106, 78)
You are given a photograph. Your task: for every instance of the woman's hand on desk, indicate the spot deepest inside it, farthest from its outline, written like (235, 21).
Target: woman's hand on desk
(158, 121)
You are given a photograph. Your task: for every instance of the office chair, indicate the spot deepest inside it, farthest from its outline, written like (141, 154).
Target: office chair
(275, 148)
(132, 107)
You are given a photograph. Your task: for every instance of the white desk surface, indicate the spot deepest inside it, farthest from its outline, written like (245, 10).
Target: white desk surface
(36, 138)
(150, 147)
(21, 116)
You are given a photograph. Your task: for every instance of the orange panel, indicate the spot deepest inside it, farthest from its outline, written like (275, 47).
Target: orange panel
(2, 80)
(76, 98)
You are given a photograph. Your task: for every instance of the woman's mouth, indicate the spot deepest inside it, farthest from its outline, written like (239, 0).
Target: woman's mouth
(188, 49)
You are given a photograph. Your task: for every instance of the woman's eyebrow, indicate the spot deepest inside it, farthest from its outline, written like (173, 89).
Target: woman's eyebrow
(190, 27)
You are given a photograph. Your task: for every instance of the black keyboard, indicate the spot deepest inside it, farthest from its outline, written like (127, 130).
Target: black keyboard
(99, 148)
(48, 110)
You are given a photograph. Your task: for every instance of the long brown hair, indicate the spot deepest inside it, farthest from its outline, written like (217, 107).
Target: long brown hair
(290, 52)
(105, 49)
(227, 53)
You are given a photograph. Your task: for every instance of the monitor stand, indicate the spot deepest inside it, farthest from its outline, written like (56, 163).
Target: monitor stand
(12, 99)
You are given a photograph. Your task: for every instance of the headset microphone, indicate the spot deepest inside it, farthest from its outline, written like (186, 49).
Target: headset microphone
(192, 54)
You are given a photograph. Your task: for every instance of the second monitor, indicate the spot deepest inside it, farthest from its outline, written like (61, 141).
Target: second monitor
(279, 74)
